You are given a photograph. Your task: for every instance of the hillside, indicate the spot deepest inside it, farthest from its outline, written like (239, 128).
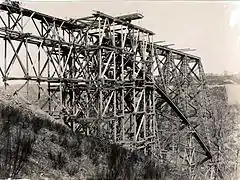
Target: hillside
(33, 145)
(223, 91)
(221, 79)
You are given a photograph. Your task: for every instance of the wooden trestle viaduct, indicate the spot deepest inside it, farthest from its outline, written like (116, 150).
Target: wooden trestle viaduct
(105, 76)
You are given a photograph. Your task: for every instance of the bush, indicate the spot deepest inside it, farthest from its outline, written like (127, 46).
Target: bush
(58, 160)
(15, 151)
(36, 124)
(73, 168)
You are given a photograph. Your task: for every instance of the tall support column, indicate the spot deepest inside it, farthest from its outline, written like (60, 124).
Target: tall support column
(5, 64)
(27, 68)
(122, 85)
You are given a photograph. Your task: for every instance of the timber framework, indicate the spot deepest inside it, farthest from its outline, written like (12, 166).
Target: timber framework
(102, 75)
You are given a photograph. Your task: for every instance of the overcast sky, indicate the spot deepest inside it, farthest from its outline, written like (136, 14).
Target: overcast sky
(210, 28)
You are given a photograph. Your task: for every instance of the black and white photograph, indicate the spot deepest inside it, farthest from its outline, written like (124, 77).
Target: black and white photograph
(119, 90)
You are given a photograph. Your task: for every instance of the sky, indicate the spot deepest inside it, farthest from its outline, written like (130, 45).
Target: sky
(212, 28)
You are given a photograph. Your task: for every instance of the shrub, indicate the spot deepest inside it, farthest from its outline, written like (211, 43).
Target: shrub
(15, 151)
(58, 160)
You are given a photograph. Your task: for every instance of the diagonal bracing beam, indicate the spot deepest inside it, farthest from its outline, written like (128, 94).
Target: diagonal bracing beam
(184, 120)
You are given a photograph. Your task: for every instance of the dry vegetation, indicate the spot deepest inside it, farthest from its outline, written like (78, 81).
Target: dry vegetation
(225, 132)
(33, 145)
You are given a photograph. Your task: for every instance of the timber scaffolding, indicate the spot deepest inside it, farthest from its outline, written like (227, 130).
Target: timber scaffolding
(102, 75)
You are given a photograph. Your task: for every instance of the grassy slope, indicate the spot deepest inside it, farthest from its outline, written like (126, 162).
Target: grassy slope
(56, 153)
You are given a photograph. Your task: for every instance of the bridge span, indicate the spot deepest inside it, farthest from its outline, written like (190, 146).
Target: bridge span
(102, 75)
